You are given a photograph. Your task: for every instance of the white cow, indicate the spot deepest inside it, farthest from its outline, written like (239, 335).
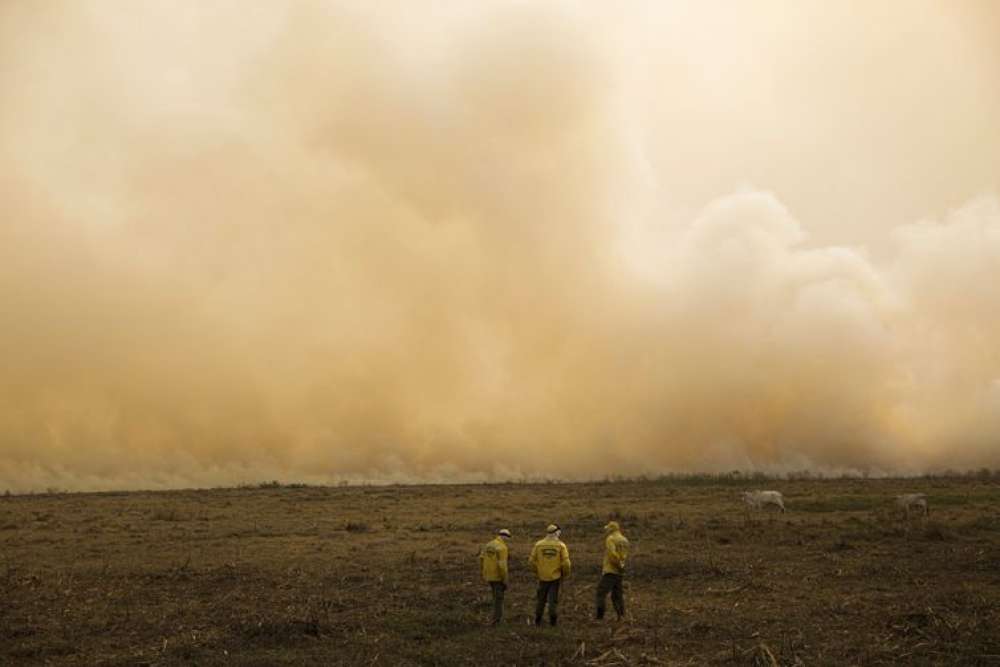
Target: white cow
(757, 499)
(911, 501)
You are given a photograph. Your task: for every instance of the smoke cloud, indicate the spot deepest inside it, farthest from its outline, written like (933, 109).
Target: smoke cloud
(326, 241)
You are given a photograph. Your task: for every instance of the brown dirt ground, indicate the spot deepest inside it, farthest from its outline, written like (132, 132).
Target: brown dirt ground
(388, 575)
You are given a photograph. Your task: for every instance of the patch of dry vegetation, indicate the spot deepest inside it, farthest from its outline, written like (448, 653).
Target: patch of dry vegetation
(271, 575)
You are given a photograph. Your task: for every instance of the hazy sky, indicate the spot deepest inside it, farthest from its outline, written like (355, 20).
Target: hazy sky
(480, 240)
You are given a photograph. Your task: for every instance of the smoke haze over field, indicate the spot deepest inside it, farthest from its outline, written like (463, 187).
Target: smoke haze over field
(358, 240)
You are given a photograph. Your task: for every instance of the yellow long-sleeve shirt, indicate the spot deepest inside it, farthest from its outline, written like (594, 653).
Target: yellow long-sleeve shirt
(550, 559)
(615, 553)
(493, 560)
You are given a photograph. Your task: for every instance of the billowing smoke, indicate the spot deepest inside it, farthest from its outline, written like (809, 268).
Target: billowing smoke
(318, 241)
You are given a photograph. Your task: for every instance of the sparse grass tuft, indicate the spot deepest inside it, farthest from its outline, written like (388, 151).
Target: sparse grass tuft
(841, 544)
(937, 532)
(166, 514)
(356, 527)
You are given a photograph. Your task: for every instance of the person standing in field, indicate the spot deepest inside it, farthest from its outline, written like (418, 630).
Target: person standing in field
(615, 553)
(493, 562)
(550, 562)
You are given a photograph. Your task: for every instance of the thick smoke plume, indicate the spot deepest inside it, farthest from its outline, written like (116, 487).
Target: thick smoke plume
(486, 240)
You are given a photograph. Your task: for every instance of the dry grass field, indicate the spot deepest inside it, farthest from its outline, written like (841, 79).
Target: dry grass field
(274, 575)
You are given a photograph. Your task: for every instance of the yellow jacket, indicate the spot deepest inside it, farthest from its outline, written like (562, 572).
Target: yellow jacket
(615, 553)
(549, 559)
(493, 560)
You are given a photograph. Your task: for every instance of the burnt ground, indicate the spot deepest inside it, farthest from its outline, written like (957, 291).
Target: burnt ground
(276, 575)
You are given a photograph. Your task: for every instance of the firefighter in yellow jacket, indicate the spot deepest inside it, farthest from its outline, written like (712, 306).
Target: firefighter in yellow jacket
(493, 562)
(615, 553)
(550, 561)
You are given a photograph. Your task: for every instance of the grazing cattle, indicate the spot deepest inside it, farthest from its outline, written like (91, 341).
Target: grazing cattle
(912, 501)
(758, 499)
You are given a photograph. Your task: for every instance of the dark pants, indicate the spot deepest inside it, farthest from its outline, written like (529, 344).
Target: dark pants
(498, 587)
(548, 591)
(610, 583)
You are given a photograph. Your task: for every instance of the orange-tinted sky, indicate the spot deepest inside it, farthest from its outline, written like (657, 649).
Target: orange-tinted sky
(327, 240)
